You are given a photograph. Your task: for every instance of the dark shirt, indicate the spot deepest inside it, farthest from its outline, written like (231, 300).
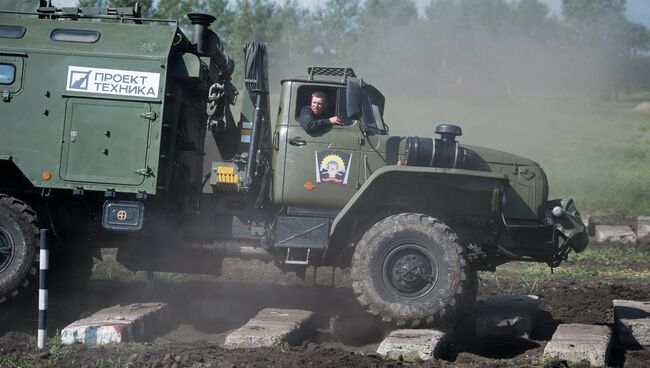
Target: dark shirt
(311, 122)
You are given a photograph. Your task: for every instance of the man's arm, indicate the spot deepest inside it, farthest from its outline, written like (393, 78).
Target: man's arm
(309, 123)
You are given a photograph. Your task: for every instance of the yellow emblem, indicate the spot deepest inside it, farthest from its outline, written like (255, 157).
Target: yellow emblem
(332, 165)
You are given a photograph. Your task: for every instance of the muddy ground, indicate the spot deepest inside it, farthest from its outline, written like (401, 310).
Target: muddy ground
(206, 310)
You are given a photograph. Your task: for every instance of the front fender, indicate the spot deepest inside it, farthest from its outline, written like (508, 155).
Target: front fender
(427, 190)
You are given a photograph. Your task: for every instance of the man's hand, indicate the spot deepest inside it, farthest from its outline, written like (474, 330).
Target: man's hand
(335, 120)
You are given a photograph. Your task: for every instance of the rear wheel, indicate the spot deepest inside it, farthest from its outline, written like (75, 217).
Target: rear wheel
(18, 244)
(410, 270)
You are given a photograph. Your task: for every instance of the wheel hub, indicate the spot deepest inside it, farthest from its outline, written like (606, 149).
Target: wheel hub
(6, 250)
(409, 272)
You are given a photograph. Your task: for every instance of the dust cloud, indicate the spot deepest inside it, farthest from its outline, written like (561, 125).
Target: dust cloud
(509, 84)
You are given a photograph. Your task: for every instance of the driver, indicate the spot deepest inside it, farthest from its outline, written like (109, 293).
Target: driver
(311, 117)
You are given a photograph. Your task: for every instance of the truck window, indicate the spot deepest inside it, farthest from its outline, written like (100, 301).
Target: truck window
(304, 99)
(7, 73)
(74, 35)
(12, 31)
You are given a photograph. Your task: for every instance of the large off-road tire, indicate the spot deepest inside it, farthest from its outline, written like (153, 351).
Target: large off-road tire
(410, 270)
(18, 244)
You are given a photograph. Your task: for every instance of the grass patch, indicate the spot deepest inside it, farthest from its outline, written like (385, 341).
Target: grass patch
(8, 361)
(612, 255)
(607, 263)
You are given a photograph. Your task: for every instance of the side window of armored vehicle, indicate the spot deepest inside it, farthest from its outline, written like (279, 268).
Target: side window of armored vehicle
(74, 35)
(12, 31)
(7, 73)
(304, 99)
(11, 73)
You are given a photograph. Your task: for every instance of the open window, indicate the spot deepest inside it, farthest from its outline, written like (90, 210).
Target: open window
(335, 101)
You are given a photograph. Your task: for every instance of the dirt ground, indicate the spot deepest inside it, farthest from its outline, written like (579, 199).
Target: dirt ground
(206, 310)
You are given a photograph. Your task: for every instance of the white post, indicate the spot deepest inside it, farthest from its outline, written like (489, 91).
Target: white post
(42, 290)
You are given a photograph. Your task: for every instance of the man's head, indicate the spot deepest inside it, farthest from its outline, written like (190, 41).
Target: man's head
(318, 102)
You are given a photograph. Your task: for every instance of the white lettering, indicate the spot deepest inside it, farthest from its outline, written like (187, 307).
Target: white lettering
(112, 81)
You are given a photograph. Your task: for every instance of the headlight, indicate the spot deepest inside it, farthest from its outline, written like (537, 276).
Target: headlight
(557, 211)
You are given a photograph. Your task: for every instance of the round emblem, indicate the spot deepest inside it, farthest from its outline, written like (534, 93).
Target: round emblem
(121, 215)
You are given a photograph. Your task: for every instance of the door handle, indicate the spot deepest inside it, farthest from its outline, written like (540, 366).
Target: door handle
(297, 142)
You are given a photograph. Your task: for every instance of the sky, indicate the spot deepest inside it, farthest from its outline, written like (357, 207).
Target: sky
(638, 11)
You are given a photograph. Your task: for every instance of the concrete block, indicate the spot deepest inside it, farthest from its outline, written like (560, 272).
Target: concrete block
(643, 227)
(134, 322)
(507, 316)
(632, 322)
(643, 107)
(271, 327)
(575, 343)
(413, 345)
(615, 234)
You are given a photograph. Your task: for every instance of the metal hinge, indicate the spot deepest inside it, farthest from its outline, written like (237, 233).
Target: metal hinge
(6, 96)
(150, 115)
(144, 172)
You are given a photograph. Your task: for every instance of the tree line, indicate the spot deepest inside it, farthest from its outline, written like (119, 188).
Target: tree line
(495, 46)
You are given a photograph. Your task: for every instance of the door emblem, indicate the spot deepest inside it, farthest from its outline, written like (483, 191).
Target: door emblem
(332, 167)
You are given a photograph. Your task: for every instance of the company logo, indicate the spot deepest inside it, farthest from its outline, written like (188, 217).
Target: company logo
(113, 81)
(79, 80)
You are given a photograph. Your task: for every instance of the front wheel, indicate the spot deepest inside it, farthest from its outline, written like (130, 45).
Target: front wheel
(410, 270)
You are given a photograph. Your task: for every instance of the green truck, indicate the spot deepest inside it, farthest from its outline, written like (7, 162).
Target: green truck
(117, 131)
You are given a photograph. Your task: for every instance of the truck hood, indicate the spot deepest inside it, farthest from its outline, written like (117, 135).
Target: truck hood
(493, 156)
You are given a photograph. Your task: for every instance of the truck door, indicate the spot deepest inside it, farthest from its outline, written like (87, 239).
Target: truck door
(106, 141)
(321, 170)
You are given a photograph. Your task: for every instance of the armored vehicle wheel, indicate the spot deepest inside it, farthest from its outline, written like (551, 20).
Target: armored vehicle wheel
(410, 270)
(18, 243)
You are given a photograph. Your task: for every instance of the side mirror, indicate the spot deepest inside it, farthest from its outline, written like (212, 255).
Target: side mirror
(353, 98)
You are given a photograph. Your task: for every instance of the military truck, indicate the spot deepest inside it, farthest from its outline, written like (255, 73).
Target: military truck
(103, 142)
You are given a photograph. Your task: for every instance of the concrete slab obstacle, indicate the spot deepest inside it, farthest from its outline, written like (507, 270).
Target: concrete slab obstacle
(643, 228)
(632, 322)
(413, 345)
(117, 324)
(507, 316)
(643, 107)
(576, 342)
(615, 234)
(271, 327)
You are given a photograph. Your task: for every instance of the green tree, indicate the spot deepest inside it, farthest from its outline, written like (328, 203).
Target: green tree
(335, 27)
(175, 9)
(601, 33)
(378, 14)
(254, 21)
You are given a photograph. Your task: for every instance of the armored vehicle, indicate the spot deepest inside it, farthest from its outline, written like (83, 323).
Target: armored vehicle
(104, 123)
